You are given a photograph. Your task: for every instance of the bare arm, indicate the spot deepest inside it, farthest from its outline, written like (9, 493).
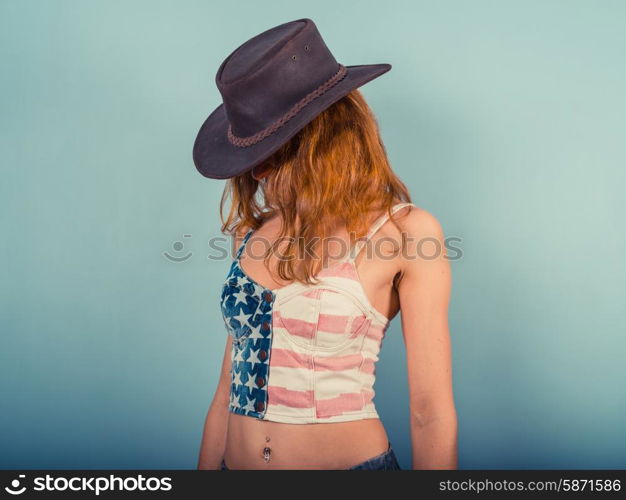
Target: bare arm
(216, 421)
(424, 291)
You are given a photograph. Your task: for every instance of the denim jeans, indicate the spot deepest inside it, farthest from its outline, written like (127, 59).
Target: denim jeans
(385, 461)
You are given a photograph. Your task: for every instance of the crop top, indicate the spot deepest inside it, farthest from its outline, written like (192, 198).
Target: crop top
(304, 353)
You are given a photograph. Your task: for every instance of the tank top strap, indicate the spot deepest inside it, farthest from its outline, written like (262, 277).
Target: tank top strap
(378, 223)
(243, 243)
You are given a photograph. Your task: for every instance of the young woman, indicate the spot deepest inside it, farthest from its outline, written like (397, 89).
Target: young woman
(328, 250)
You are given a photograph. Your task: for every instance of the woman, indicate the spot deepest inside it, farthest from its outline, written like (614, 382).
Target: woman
(328, 249)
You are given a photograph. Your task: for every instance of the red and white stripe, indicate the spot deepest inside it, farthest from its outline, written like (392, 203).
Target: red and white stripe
(326, 341)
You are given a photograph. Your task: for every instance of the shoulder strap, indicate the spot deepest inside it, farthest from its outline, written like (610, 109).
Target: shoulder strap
(243, 243)
(378, 223)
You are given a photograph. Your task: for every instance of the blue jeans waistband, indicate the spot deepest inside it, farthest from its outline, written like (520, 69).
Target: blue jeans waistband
(385, 461)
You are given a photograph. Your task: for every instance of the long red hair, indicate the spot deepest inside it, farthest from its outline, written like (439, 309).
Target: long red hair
(334, 172)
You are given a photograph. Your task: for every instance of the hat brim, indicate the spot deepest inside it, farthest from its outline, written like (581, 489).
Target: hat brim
(216, 158)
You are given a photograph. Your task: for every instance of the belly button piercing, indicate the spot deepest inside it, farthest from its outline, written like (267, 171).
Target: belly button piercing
(267, 451)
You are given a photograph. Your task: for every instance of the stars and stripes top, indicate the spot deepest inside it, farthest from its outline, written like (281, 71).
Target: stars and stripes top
(304, 353)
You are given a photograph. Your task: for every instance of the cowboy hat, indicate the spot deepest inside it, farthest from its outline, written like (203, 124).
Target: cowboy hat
(271, 87)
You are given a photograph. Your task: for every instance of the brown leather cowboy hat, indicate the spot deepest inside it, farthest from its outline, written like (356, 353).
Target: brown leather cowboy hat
(271, 87)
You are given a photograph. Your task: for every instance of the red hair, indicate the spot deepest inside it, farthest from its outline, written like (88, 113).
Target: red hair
(333, 172)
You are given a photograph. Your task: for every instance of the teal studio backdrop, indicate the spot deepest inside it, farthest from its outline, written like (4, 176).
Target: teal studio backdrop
(505, 119)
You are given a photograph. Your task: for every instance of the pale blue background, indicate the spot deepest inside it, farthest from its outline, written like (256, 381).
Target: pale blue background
(505, 119)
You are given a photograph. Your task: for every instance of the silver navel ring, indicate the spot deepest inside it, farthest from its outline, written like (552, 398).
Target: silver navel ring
(267, 451)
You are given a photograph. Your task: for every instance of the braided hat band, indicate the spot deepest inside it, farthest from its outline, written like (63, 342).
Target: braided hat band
(267, 131)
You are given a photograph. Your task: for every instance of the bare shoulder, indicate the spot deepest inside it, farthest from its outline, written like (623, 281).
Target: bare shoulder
(414, 222)
(418, 222)
(241, 231)
(237, 237)
(424, 241)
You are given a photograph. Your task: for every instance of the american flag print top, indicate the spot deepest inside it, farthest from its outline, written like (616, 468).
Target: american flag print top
(304, 353)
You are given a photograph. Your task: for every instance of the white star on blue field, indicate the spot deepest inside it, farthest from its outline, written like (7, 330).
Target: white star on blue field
(247, 311)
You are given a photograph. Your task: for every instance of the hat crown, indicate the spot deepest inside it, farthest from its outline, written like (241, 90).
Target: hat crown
(262, 79)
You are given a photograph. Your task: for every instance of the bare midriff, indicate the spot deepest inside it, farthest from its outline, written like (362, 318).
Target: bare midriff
(337, 445)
